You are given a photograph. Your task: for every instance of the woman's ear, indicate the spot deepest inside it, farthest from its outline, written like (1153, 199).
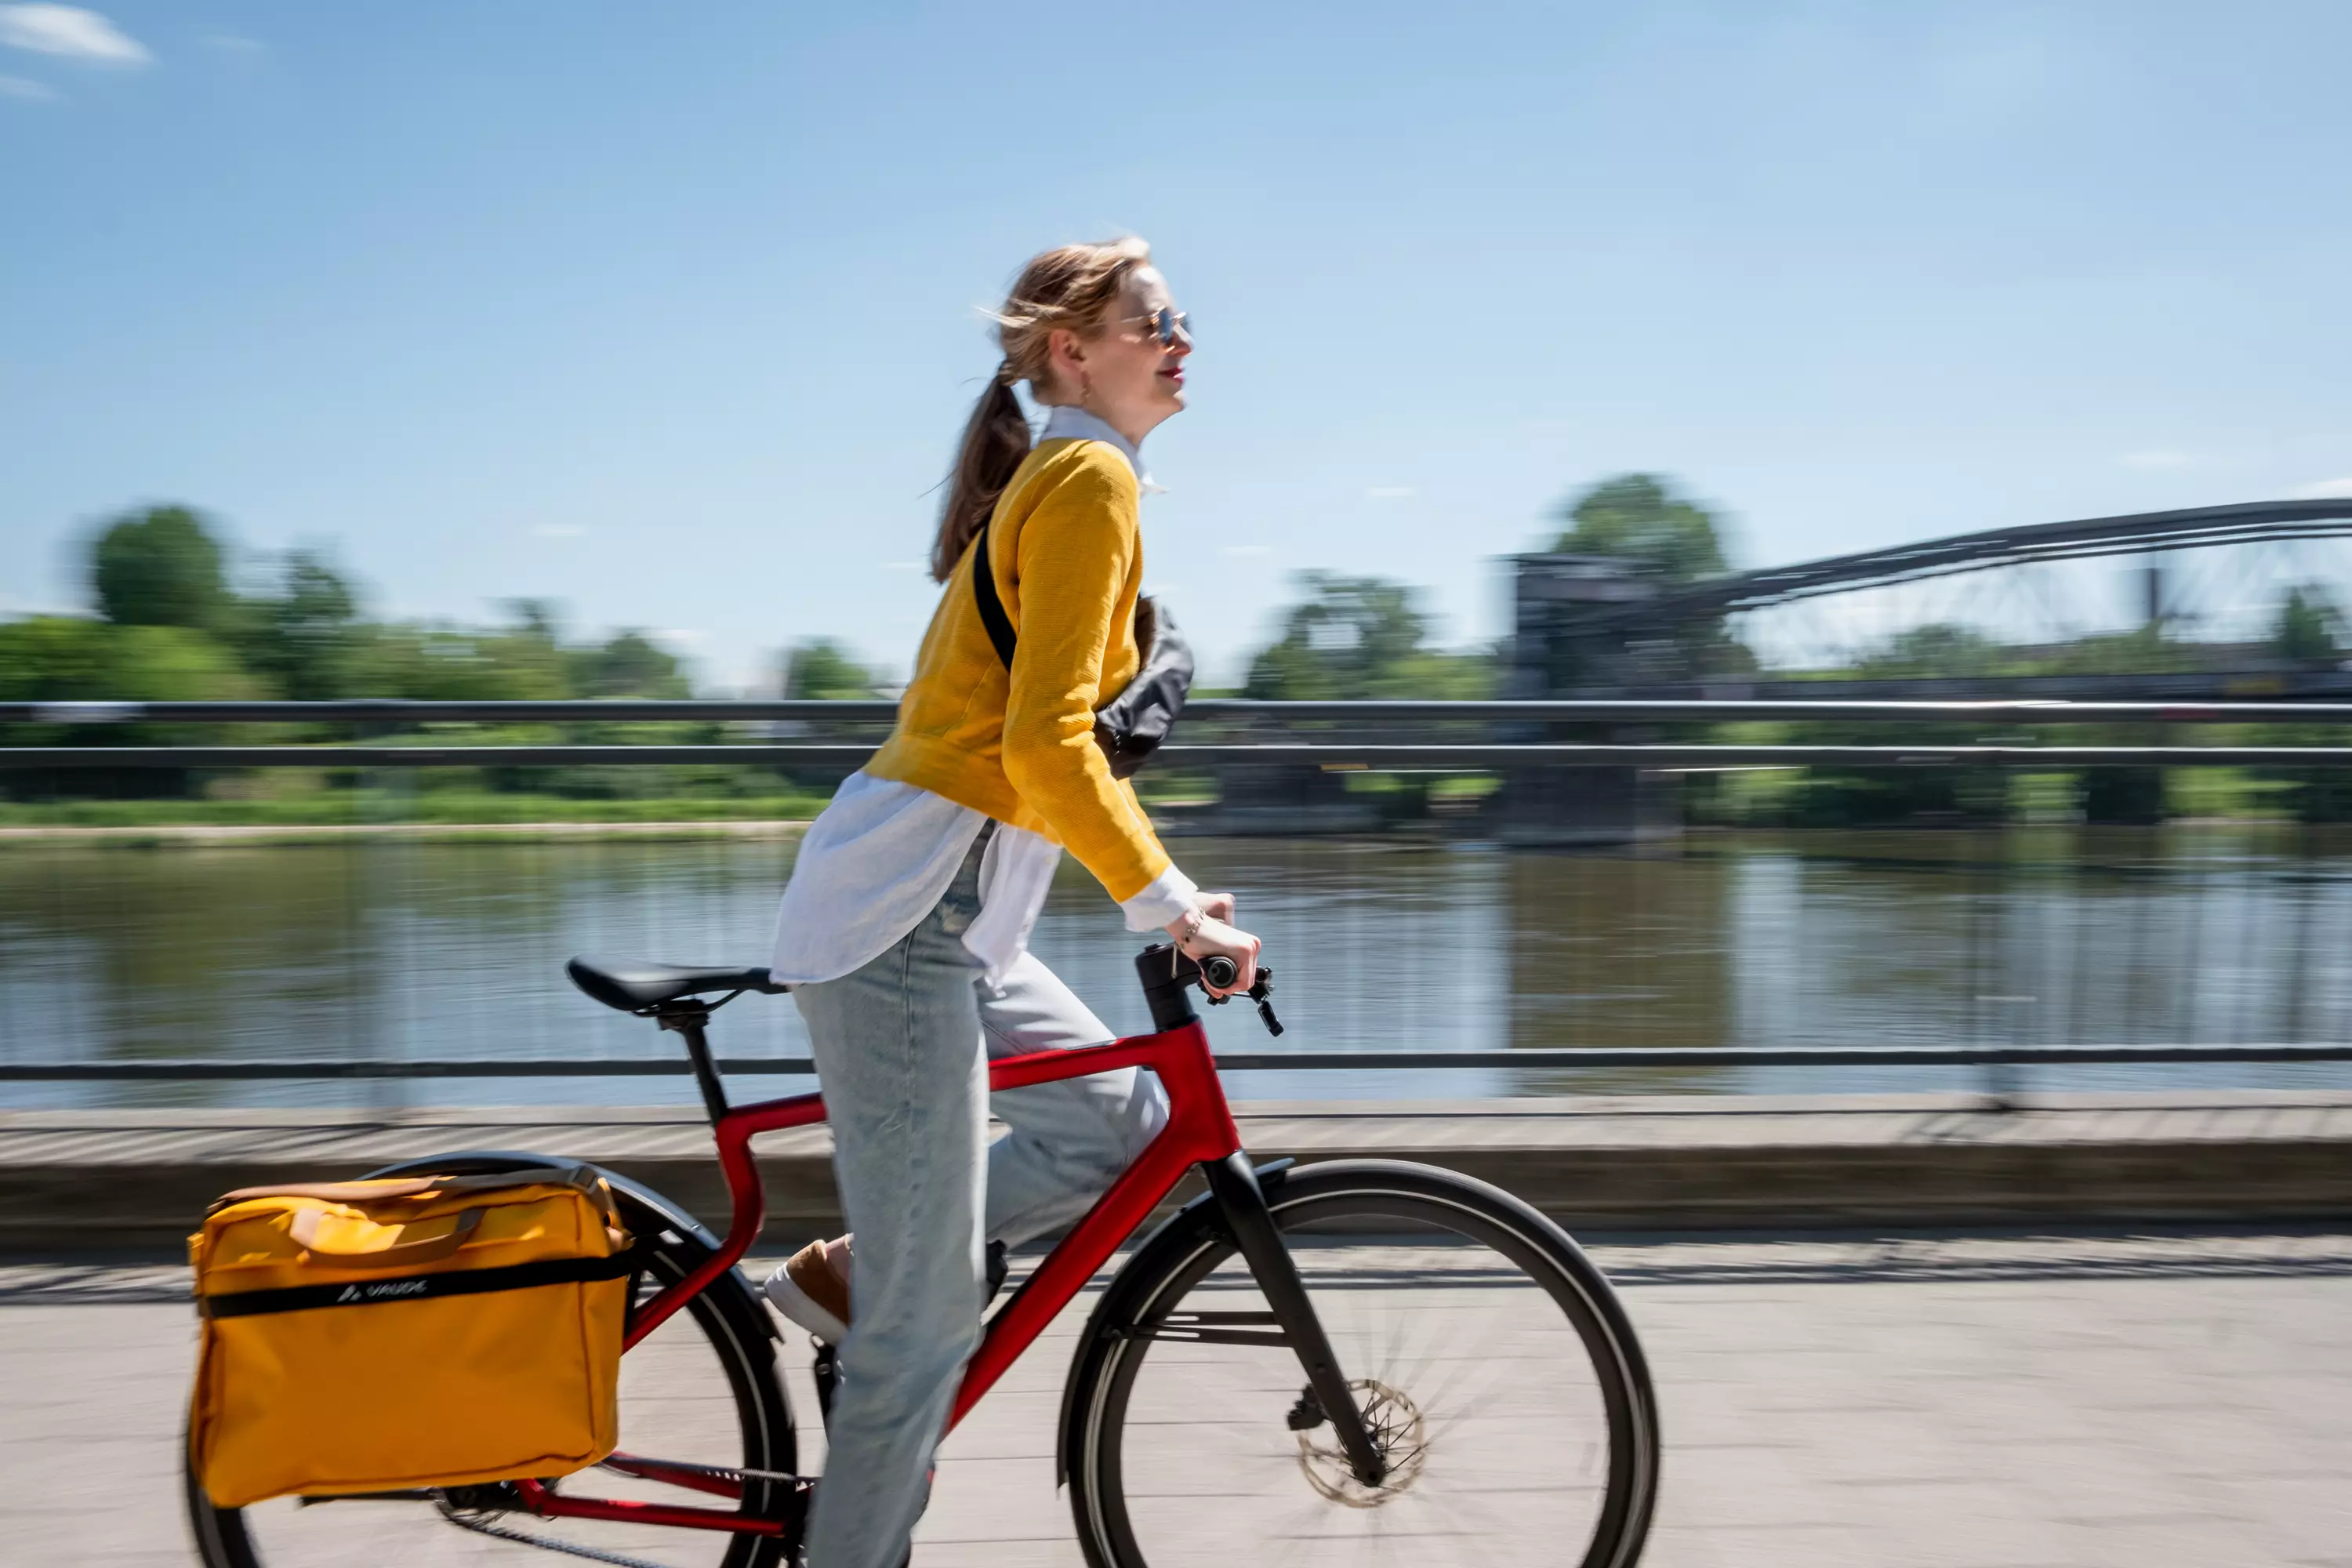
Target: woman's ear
(1065, 352)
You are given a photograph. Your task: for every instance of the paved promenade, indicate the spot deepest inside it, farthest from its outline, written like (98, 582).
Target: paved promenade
(1993, 1400)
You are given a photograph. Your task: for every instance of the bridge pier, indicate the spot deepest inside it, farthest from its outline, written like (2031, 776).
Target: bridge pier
(2123, 797)
(1569, 806)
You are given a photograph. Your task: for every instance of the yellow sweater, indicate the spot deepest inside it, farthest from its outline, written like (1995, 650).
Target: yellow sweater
(1066, 548)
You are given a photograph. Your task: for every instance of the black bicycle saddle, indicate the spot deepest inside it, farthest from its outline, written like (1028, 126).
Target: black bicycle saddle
(634, 984)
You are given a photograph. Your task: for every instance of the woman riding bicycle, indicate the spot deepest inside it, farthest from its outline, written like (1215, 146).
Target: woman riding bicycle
(905, 922)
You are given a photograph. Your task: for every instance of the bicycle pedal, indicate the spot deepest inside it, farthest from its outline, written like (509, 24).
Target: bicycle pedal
(826, 1375)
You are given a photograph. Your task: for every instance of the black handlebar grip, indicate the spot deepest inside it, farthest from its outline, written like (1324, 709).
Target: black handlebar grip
(1220, 971)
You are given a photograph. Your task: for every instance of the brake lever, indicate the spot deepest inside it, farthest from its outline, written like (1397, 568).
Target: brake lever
(1258, 994)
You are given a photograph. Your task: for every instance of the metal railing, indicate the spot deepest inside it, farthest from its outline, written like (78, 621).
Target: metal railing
(1340, 751)
(396, 711)
(1229, 1061)
(1403, 757)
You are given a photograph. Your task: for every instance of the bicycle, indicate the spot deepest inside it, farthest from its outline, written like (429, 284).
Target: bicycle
(1375, 1347)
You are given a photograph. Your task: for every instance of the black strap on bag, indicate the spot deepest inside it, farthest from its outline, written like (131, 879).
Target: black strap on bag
(421, 1287)
(1132, 725)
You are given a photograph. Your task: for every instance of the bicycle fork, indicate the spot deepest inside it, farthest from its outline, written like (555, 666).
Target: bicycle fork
(1251, 1224)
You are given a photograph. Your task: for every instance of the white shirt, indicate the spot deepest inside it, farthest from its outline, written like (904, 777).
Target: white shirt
(882, 853)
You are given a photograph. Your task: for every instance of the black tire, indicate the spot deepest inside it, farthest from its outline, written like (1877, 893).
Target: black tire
(1139, 1447)
(740, 1338)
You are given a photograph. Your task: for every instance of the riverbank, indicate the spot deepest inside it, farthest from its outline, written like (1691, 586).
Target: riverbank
(126, 1181)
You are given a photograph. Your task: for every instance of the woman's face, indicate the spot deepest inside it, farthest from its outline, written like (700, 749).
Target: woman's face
(1124, 374)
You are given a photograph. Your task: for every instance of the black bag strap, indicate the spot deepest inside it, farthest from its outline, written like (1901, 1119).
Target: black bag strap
(992, 608)
(1130, 727)
(422, 1287)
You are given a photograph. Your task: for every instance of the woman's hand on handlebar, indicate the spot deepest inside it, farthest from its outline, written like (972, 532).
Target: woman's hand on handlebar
(1215, 906)
(1207, 932)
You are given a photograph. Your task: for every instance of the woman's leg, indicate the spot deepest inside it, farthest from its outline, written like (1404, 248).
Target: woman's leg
(905, 1091)
(1068, 1139)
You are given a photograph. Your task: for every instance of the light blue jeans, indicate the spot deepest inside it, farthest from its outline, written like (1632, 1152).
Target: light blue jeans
(901, 1049)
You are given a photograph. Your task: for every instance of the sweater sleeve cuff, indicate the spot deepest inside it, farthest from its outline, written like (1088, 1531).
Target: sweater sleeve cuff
(1168, 895)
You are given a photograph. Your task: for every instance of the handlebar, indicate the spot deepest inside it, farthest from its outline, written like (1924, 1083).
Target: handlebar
(1166, 973)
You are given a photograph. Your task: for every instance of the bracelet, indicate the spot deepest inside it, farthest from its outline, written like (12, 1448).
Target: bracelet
(1199, 920)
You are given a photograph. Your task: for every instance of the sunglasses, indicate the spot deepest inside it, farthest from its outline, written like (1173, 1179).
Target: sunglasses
(1166, 324)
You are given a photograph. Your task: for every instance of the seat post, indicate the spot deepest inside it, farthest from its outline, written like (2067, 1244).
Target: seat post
(686, 1018)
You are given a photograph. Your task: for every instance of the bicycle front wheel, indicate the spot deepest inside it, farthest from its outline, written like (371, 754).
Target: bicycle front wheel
(1492, 1365)
(700, 1400)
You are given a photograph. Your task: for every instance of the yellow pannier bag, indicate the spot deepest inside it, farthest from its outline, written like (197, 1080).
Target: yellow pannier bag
(371, 1336)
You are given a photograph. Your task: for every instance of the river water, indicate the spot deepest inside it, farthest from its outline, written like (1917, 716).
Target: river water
(406, 949)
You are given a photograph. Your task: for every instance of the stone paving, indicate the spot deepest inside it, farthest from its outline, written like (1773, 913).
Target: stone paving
(2027, 1401)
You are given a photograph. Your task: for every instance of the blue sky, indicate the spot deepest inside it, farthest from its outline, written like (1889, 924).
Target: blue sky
(669, 312)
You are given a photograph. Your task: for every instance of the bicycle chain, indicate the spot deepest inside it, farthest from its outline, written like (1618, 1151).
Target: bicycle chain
(723, 1472)
(545, 1543)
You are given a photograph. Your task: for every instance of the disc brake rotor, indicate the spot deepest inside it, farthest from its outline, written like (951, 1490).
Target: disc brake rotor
(1398, 1435)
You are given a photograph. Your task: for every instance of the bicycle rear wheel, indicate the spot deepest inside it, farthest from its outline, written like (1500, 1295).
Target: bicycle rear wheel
(1492, 1366)
(700, 1392)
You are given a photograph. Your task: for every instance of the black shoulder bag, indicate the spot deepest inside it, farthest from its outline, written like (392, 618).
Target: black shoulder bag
(1130, 726)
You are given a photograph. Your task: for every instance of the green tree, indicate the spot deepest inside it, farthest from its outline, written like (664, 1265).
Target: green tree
(527, 658)
(1938, 648)
(1879, 797)
(55, 658)
(2308, 628)
(630, 664)
(174, 664)
(66, 658)
(1360, 638)
(821, 670)
(160, 567)
(1638, 519)
(522, 662)
(303, 638)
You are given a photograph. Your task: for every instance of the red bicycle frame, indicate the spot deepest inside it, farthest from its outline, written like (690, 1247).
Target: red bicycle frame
(1199, 1132)
(1199, 1128)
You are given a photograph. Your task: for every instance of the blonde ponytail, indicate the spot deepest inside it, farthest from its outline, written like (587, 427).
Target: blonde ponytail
(1072, 287)
(995, 439)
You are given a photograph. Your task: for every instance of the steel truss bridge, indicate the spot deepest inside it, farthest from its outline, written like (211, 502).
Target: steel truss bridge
(2209, 586)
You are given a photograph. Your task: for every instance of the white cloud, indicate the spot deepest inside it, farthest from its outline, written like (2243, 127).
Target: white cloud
(26, 90)
(559, 531)
(70, 31)
(1389, 492)
(1246, 550)
(2325, 490)
(2156, 458)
